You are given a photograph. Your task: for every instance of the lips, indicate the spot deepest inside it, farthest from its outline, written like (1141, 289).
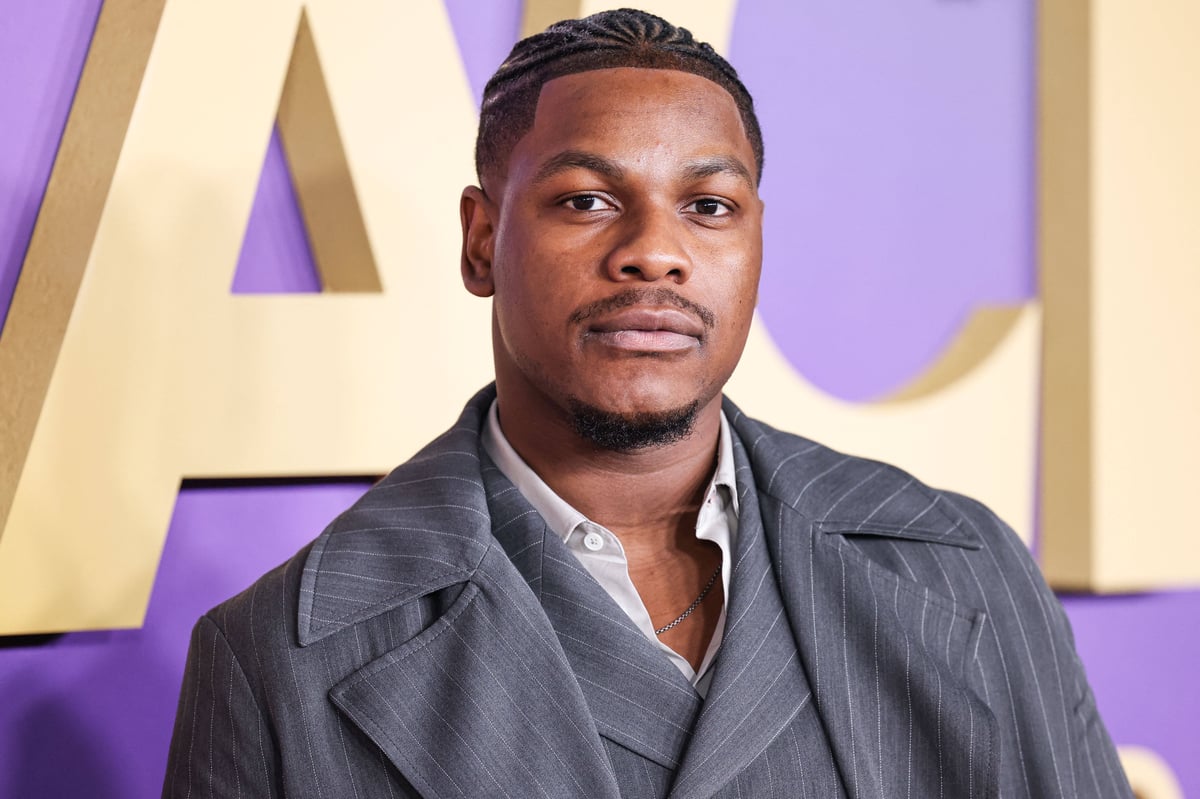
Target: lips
(647, 330)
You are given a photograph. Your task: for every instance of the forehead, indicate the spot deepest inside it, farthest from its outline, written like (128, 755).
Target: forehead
(634, 112)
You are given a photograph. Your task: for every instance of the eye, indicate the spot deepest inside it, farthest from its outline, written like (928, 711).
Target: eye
(710, 207)
(588, 202)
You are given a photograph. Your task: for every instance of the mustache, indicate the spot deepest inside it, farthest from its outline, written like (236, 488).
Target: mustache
(655, 296)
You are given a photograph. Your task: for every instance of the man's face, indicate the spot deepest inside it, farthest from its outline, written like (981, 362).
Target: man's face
(623, 247)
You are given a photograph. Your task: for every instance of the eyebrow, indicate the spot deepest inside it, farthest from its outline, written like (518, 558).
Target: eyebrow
(717, 165)
(578, 159)
(696, 170)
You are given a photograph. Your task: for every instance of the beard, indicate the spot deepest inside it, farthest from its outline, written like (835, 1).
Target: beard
(626, 432)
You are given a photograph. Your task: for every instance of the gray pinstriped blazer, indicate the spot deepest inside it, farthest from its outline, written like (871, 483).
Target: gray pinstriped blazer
(884, 640)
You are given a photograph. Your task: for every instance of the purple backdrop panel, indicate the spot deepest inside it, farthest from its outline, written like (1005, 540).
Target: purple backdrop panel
(105, 702)
(485, 33)
(276, 257)
(899, 176)
(42, 49)
(1142, 654)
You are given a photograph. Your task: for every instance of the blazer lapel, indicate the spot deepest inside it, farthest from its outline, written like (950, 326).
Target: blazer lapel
(482, 701)
(636, 697)
(759, 687)
(885, 656)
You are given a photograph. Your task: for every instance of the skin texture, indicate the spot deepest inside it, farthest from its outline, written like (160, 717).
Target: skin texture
(622, 249)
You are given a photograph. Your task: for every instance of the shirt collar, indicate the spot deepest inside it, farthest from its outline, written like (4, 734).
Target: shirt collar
(559, 515)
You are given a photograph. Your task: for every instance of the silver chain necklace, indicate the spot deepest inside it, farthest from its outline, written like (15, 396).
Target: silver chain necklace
(711, 582)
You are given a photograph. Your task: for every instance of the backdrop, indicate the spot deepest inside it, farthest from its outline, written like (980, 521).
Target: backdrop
(894, 216)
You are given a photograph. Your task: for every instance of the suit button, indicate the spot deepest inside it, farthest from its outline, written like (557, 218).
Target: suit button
(593, 541)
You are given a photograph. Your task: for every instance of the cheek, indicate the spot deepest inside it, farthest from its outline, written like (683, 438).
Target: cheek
(739, 294)
(531, 315)
(748, 296)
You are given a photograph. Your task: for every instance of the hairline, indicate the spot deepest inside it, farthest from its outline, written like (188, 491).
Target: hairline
(752, 177)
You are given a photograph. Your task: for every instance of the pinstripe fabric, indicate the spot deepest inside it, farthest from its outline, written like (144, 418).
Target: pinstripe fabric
(655, 728)
(759, 690)
(635, 695)
(942, 665)
(885, 640)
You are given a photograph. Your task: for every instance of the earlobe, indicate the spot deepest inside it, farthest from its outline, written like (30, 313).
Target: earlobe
(478, 236)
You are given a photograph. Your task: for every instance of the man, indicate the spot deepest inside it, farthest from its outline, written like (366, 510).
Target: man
(606, 581)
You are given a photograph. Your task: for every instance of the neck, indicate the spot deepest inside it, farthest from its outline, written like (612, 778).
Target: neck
(649, 497)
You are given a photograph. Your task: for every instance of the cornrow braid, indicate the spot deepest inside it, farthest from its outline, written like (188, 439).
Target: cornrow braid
(624, 38)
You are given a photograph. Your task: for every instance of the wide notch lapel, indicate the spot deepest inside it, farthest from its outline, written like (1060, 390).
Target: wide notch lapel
(637, 698)
(759, 687)
(482, 701)
(886, 656)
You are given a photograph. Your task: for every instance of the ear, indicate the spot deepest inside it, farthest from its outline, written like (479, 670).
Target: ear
(478, 216)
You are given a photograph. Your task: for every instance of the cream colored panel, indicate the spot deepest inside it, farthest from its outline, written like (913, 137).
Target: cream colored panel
(1121, 250)
(1147, 292)
(1149, 775)
(163, 373)
(537, 15)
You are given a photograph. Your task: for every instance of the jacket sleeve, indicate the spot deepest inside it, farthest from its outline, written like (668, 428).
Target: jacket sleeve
(221, 745)
(1098, 769)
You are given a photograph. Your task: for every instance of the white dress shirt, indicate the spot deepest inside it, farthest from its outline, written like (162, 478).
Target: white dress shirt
(600, 551)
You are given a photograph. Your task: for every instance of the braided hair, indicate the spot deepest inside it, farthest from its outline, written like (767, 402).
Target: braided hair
(624, 38)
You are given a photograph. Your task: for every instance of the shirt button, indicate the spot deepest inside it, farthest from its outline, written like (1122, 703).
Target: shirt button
(593, 541)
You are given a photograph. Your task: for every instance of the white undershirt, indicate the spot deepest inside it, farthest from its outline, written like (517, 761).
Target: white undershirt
(600, 551)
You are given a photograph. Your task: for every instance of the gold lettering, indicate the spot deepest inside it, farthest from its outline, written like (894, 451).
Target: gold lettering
(160, 372)
(1120, 258)
(321, 174)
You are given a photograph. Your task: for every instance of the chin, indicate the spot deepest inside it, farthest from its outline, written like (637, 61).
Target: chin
(627, 431)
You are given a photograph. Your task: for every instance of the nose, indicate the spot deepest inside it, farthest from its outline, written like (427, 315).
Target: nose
(651, 247)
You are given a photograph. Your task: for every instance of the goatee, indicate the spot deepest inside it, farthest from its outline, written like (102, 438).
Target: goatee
(626, 432)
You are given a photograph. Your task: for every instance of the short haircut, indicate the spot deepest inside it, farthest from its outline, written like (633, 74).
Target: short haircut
(624, 38)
